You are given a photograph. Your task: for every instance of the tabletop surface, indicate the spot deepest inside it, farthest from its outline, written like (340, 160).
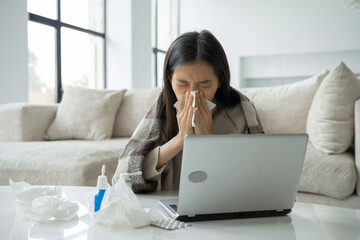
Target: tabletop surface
(306, 221)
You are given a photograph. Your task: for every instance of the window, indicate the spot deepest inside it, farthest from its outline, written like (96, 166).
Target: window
(66, 43)
(165, 28)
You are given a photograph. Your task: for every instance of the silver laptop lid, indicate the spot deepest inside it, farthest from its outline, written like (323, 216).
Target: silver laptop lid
(240, 173)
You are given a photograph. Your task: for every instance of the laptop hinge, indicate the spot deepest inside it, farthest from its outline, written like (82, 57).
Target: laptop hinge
(279, 210)
(193, 215)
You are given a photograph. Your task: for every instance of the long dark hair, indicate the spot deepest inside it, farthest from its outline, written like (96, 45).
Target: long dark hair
(191, 47)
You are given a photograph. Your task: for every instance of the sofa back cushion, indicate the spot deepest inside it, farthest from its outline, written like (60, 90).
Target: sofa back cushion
(85, 114)
(284, 109)
(133, 107)
(330, 123)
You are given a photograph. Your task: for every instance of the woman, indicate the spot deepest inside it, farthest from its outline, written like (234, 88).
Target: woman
(194, 62)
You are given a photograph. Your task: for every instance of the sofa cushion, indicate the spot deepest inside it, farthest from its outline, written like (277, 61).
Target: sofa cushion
(85, 114)
(330, 123)
(73, 162)
(133, 107)
(284, 109)
(353, 201)
(25, 122)
(333, 175)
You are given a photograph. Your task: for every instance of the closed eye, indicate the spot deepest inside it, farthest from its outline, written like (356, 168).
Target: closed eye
(181, 83)
(205, 85)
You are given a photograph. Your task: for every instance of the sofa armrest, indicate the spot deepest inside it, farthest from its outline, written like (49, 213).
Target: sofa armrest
(357, 144)
(25, 122)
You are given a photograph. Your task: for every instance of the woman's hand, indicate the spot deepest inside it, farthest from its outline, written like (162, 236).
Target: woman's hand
(184, 116)
(203, 117)
(203, 125)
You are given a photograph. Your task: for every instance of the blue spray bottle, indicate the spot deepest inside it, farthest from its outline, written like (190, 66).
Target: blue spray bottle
(102, 185)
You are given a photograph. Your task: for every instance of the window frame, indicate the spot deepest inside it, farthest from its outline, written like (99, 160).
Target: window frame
(57, 25)
(155, 49)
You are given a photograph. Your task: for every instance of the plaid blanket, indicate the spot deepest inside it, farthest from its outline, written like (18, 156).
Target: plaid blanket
(149, 135)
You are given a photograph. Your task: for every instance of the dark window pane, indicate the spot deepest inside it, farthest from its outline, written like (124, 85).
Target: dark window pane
(82, 59)
(88, 14)
(45, 8)
(41, 65)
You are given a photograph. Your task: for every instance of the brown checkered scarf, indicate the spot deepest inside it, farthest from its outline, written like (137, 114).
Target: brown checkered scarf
(149, 135)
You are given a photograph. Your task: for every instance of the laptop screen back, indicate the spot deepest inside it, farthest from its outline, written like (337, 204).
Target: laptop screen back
(240, 173)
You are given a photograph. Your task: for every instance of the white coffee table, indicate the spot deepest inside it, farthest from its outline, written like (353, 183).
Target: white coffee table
(306, 221)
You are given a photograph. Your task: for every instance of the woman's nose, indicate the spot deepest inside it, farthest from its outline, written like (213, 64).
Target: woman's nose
(193, 88)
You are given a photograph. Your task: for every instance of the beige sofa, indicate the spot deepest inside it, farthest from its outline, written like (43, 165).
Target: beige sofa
(25, 155)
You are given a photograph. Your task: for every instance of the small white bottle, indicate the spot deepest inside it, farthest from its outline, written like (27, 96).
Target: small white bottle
(102, 185)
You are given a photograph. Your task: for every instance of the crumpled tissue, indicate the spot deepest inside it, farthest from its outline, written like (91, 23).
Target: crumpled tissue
(120, 207)
(42, 203)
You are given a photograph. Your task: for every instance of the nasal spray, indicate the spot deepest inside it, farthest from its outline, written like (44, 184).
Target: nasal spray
(102, 185)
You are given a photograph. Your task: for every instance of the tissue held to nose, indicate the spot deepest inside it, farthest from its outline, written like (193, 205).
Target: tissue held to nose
(210, 105)
(193, 105)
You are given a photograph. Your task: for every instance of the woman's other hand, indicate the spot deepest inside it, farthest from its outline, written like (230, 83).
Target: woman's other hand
(184, 116)
(203, 117)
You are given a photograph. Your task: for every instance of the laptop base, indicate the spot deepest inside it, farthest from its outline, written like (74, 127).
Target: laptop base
(222, 216)
(170, 205)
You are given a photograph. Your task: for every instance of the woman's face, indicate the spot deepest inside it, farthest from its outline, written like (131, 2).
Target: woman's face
(197, 76)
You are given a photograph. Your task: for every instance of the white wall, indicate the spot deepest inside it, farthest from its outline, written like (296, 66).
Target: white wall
(141, 43)
(128, 33)
(262, 27)
(13, 51)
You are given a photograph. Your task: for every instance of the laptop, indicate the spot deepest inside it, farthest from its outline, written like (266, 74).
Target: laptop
(238, 176)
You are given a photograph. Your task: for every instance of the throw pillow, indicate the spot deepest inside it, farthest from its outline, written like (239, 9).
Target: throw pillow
(85, 114)
(284, 109)
(133, 108)
(330, 122)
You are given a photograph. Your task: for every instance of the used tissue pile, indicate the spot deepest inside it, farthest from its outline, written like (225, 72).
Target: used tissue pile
(120, 207)
(115, 205)
(41, 203)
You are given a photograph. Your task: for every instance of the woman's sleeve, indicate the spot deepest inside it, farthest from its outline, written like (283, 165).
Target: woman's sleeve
(142, 150)
(149, 170)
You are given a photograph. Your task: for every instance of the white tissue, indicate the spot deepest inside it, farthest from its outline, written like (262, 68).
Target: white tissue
(46, 208)
(25, 193)
(210, 105)
(121, 207)
(42, 203)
